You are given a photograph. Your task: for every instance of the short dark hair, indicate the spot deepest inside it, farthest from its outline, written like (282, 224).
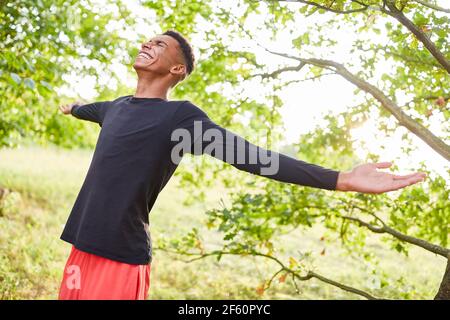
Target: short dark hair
(186, 49)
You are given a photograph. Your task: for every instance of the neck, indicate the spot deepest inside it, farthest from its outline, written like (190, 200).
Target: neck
(151, 88)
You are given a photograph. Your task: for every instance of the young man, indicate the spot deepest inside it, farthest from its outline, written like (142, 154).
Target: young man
(136, 154)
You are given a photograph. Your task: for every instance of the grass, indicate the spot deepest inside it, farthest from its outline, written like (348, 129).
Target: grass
(45, 182)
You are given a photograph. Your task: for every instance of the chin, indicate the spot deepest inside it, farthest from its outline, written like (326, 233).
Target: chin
(139, 66)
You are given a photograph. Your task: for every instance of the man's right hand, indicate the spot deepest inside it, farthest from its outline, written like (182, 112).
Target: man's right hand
(67, 108)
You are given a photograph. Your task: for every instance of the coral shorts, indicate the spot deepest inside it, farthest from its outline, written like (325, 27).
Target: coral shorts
(91, 277)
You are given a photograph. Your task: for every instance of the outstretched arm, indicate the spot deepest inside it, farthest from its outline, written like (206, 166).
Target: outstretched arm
(93, 112)
(210, 138)
(67, 108)
(203, 136)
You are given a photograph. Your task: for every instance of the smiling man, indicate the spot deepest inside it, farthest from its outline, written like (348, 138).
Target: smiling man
(142, 139)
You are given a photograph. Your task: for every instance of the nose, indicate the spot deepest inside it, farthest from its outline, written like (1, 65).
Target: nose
(146, 45)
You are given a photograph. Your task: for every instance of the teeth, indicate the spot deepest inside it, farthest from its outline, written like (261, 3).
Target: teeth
(144, 55)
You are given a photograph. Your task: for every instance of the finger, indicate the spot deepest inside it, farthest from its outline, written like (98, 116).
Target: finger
(400, 177)
(398, 184)
(407, 176)
(382, 165)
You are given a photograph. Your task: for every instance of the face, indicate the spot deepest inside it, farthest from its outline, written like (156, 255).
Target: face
(160, 55)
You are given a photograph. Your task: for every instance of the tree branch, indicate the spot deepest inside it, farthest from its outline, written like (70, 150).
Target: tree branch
(279, 71)
(432, 6)
(309, 78)
(418, 99)
(420, 35)
(396, 234)
(273, 277)
(404, 120)
(308, 276)
(444, 288)
(330, 9)
(399, 16)
(341, 286)
(419, 61)
(266, 75)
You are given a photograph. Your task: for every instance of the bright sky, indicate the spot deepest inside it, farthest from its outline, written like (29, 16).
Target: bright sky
(306, 102)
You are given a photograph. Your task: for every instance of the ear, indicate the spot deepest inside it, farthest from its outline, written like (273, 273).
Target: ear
(179, 69)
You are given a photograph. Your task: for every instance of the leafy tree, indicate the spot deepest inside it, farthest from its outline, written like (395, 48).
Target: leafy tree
(41, 43)
(417, 51)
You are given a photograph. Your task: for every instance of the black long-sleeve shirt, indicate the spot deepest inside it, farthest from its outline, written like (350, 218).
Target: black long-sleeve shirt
(140, 145)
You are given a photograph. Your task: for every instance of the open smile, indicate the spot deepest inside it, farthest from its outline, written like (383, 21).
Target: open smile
(145, 55)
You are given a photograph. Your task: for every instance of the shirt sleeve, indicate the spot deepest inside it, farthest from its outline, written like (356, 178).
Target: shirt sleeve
(194, 132)
(94, 112)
